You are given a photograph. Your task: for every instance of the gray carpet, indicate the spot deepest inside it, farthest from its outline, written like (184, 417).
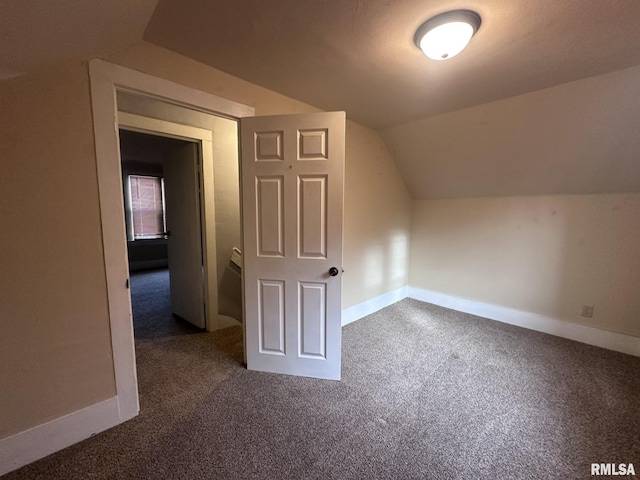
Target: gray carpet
(426, 393)
(151, 306)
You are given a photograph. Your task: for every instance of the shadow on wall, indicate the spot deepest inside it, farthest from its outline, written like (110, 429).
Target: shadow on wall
(147, 254)
(601, 261)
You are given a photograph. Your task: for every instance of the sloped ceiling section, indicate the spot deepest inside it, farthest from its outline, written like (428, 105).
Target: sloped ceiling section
(582, 137)
(359, 56)
(36, 33)
(498, 119)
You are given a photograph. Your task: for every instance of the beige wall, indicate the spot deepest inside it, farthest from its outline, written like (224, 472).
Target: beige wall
(55, 350)
(376, 219)
(55, 354)
(377, 202)
(548, 255)
(577, 138)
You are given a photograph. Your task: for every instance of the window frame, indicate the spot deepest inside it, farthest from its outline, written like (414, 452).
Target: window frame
(129, 219)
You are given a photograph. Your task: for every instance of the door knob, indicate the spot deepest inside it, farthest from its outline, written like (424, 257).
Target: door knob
(333, 271)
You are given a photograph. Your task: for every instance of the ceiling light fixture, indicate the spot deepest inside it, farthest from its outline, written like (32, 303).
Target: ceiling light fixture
(446, 35)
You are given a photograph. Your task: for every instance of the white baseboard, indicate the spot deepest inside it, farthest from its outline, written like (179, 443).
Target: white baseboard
(38, 442)
(533, 321)
(363, 309)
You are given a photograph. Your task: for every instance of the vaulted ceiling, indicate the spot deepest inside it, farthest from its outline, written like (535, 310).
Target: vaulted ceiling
(463, 127)
(359, 56)
(36, 33)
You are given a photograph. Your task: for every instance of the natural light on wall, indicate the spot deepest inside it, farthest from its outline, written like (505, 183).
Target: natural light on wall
(446, 35)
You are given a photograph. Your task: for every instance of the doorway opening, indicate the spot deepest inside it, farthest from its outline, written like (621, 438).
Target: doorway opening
(153, 282)
(109, 81)
(190, 227)
(204, 228)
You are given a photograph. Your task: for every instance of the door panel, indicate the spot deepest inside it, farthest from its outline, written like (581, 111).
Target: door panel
(184, 245)
(313, 320)
(270, 206)
(292, 193)
(271, 316)
(312, 203)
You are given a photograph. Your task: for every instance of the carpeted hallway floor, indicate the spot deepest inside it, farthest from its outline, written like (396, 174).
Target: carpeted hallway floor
(427, 393)
(151, 306)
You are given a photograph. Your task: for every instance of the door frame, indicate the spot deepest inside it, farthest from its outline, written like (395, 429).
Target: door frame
(105, 80)
(206, 196)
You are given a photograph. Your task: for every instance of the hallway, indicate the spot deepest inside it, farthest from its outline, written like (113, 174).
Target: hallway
(151, 305)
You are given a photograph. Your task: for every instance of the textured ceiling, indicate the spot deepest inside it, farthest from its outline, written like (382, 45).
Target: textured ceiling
(35, 33)
(358, 55)
(463, 127)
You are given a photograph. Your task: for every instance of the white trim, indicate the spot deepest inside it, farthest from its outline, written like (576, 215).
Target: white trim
(139, 123)
(38, 442)
(533, 321)
(105, 79)
(105, 126)
(166, 90)
(372, 305)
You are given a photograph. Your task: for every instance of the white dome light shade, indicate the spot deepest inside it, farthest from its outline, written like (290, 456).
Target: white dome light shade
(447, 40)
(446, 35)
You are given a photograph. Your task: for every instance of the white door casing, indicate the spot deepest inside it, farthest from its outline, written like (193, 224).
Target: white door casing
(184, 244)
(204, 138)
(292, 193)
(105, 79)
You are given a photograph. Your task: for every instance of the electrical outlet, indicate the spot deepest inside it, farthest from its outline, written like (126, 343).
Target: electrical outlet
(587, 311)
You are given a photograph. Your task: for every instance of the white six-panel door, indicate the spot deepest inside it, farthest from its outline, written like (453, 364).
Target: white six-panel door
(292, 193)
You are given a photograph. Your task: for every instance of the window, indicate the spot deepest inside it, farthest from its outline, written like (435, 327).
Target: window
(147, 207)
